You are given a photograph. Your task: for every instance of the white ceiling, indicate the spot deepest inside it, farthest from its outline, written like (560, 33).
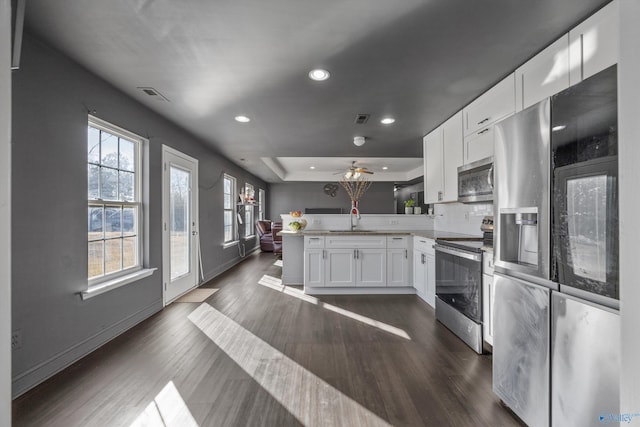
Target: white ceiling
(333, 168)
(417, 60)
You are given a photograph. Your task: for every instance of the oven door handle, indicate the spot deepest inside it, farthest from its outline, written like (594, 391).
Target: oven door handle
(461, 254)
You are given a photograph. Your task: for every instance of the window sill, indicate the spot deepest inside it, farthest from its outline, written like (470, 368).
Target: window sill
(116, 283)
(229, 244)
(250, 236)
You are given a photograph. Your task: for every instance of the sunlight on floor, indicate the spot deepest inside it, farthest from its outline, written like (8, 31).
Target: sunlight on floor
(276, 284)
(167, 410)
(278, 263)
(311, 400)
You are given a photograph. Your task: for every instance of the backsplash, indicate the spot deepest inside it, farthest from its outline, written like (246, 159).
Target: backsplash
(461, 218)
(366, 222)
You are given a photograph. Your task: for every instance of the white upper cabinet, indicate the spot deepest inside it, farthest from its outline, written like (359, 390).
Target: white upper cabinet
(544, 75)
(480, 116)
(442, 156)
(593, 45)
(493, 105)
(433, 173)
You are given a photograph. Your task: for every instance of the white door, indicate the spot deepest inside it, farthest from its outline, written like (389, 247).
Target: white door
(419, 272)
(371, 267)
(340, 268)
(180, 223)
(397, 267)
(314, 267)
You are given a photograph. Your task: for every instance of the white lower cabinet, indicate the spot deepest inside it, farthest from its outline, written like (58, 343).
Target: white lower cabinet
(340, 267)
(314, 267)
(371, 267)
(357, 261)
(424, 269)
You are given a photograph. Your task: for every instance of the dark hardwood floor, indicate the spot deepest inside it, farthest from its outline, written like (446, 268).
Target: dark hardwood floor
(257, 353)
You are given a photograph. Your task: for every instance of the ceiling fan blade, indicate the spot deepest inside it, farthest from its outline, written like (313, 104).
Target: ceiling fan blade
(366, 171)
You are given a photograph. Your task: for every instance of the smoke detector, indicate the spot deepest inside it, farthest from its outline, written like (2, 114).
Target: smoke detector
(359, 140)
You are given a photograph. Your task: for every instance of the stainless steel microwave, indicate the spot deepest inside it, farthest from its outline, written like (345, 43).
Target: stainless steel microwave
(475, 181)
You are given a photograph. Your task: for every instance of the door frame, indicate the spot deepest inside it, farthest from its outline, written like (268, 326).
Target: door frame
(166, 252)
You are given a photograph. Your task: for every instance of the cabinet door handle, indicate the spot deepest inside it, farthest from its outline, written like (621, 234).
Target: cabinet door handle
(324, 254)
(483, 131)
(354, 254)
(483, 121)
(406, 253)
(422, 260)
(357, 253)
(397, 238)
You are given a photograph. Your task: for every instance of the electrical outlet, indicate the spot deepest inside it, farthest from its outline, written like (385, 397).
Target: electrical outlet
(16, 340)
(466, 216)
(393, 222)
(316, 222)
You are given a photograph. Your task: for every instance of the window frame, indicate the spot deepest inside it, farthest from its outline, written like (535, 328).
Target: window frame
(249, 214)
(262, 196)
(100, 281)
(233, 210)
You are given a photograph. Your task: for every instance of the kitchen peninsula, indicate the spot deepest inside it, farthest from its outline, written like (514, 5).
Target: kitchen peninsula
(377, 256)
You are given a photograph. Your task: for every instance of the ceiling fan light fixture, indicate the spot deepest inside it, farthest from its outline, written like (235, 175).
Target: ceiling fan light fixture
(359, 140)
(319, 75)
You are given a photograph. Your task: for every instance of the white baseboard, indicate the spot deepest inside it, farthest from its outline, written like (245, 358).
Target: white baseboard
(227, 265)
(25, 381)
(360, 291)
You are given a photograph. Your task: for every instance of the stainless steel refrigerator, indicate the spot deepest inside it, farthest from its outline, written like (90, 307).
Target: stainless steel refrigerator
(556, 325)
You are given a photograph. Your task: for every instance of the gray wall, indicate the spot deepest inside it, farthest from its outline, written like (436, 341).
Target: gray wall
(404, 193)
(5, 214)
(51, 96)
(292, 196)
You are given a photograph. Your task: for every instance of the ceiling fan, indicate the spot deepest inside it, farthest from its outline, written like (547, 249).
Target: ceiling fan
(355, 171)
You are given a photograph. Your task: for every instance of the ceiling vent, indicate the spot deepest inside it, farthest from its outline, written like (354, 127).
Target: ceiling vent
(152, 93)
(361, 119)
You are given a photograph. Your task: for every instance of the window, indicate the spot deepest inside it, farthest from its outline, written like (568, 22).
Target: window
(262, 199)
(115, 202)
(229, 208)
(249, 201)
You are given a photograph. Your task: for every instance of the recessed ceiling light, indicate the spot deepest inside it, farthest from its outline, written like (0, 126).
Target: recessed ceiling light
(387, 120)
(319, 74)
(384, 168)
(312, 167)
(242, 119)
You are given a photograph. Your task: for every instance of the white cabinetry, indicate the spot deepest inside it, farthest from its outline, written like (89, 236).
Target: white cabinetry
(424, 274)
(593, 45)
(398, 261)
(314, 254)
(371, 267)
(488, 294)
(544, 75)
(340, 267)
(442, 156)
(480, 116)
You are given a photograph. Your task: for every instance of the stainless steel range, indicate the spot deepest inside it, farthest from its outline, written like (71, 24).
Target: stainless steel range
(459, 285)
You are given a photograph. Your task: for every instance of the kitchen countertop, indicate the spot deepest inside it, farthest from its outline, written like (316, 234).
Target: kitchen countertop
(429, 234)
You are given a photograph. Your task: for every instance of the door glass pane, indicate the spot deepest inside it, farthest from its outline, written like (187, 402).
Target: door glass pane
(180, 218)
(587, 225)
